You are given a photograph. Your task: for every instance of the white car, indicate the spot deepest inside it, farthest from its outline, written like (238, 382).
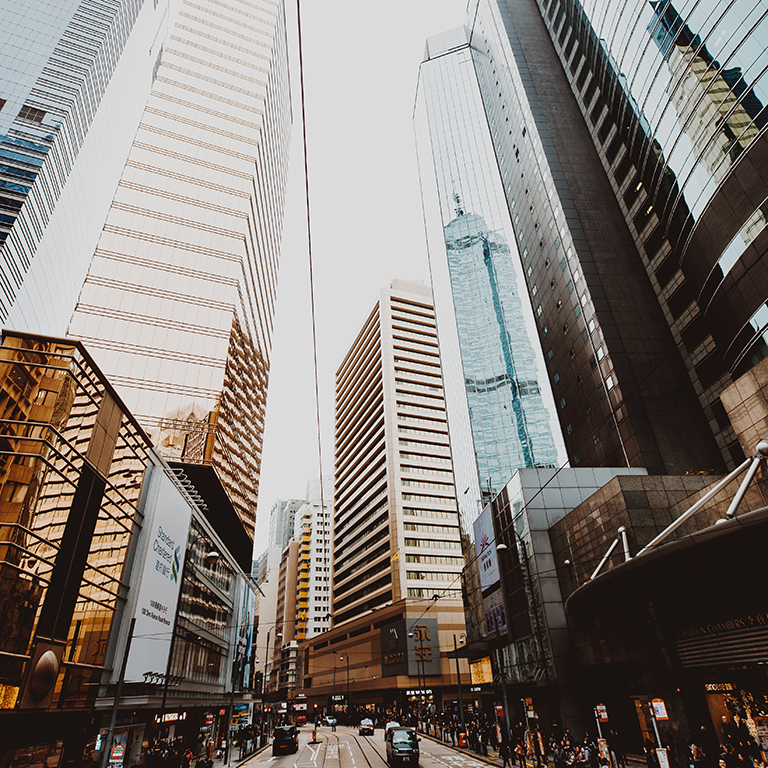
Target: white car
(389, 726)
(329, 720)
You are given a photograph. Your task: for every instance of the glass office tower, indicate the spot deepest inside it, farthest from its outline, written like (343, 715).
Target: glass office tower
(500, 406)
(178, 303)
(74, 79)
(622, 394)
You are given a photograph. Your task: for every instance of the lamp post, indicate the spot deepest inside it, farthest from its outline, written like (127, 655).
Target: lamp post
(346, 705)
(462, 640)
(533, 613)
(420, 660)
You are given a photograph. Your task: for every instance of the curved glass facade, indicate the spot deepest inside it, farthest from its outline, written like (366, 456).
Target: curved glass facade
(675, 95)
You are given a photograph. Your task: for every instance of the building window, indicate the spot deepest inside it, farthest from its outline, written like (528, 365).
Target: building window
(31, 113)
(556, 377)
(569, 429)
(565, 329)
(562, 402)
(573, 352)
(559, 306)
(553, 284)
(538, 311)
(550, 354)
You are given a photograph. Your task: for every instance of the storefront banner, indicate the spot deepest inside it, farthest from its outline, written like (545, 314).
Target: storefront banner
(166, 528)
(485, 544)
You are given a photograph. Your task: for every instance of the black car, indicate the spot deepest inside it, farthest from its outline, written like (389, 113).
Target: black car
(402, 746)
(285, 739)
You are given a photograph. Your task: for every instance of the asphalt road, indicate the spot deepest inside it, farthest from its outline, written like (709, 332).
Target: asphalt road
(346, 749)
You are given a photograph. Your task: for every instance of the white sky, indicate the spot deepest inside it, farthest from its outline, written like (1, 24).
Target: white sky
(361, 63)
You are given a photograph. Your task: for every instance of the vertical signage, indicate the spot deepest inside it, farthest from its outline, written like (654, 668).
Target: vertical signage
(485, 542)
(423, 647)
(166, 528)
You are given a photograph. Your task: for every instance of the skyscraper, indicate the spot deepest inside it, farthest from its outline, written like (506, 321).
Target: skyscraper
(313, 587)
(396, 532)
(178, 303)
(622, 394)
(675, 99)
(282, 521)
(74, 79)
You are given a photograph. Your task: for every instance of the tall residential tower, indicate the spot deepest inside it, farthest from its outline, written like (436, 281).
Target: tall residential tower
(396, 531)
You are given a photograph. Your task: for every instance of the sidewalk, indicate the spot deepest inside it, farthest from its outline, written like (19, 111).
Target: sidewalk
(492, 758)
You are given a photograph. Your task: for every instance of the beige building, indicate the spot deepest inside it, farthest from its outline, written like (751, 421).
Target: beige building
(178, 304)
(396, 528)
(396, 547)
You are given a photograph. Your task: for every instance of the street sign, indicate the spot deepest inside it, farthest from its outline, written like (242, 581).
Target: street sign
(663, 758)
(602, 713)
(659, 709)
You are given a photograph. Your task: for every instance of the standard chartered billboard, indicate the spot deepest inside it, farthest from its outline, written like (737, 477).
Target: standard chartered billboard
(166, 527)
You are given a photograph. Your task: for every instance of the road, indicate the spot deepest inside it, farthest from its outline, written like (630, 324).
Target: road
(344, 748)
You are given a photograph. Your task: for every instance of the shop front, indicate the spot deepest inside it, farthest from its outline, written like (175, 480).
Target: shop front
(686, 625)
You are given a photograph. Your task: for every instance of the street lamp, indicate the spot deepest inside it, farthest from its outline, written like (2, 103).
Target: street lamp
(462, 640)
(420, 670)
(533, 613)
(346, 706)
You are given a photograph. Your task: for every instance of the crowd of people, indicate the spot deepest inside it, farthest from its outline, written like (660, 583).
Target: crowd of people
(738, 749)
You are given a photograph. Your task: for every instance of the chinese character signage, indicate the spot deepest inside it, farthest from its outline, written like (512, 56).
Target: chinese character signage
(417, 654)
(423, 647)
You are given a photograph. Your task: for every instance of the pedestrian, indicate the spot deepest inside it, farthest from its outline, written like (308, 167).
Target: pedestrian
(649, 747)
(504, 753)
(616, 744)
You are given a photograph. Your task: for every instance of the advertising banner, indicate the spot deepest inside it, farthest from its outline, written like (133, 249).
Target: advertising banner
(393, 649)
(485, 544)
(166, 528)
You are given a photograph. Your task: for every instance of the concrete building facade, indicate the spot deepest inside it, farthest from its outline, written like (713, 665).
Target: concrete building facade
(396, 530)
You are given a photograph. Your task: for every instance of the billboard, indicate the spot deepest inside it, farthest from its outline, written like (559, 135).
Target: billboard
(166, 527)
(485, 545)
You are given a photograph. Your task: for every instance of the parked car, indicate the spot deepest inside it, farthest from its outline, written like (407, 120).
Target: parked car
(402, 746)
(285, 739)
(366, 727)
(389, 726)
